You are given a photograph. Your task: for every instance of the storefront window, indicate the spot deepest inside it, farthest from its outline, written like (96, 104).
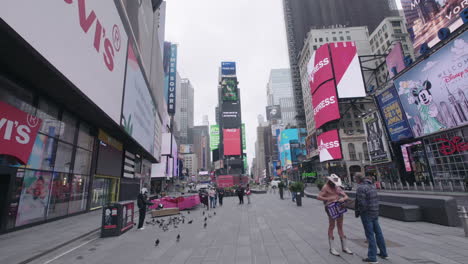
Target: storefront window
(59, 195)
(48, 112)
(68, 128)
(82, 161)
(85, 140)
(105, 190)
(63, 157)
(79, 194)
(41, 154)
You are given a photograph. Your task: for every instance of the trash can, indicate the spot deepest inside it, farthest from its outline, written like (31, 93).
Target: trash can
(117, 218)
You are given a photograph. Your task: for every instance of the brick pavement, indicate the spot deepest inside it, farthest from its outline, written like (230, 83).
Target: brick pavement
(270, 231)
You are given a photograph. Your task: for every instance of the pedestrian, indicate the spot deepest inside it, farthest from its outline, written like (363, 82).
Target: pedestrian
(367, 206)
(204, 199)
(221, 196)
(142, 202)
(331, 192)
(212, 194)
(240, 194)
(247, 193)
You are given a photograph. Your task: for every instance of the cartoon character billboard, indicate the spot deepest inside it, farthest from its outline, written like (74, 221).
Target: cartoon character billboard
(434, 93)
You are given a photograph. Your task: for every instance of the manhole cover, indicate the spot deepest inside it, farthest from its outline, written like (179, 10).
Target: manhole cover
(363, 243)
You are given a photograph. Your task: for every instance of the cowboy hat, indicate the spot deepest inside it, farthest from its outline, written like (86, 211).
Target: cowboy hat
(335, 179)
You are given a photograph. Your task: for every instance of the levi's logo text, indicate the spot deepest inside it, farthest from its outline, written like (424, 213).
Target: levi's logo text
(324, 103)
(107, 41)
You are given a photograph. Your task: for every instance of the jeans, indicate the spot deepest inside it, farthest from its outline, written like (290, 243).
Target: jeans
(248, 199)
(293, 195)
(374, 237)
(212, 202)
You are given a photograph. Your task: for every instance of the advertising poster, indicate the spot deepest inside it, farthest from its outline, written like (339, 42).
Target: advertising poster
(329, 146)
(425, 18)
(139, 112)
(171, 90)
(395, 59)
(405, 154)
(186, 148)
(214, 137)
(434, 93)
(232, 144)
(273, 112)
(311, 145)
(325, 104)
(228, 68)
(319, 68)
(393, 115)
(347, 69)
(229, 89)
(96, 66)
(286, 137)
(244, 142)
(34, 197)
(375, 137)
(230, 115)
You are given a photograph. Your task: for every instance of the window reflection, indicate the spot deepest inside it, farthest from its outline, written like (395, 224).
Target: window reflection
(68, 128)
(59, 195)
(82, 161)
(63, 157)
(79, 193)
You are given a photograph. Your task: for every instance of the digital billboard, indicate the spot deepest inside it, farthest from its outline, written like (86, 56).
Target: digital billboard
(286, 136)
(319, 68)
(329, 146)
(425, 19)
(347, 68)
(395, 59)
(244, 142)
(139, 112)
(434, 92)
(214, 137)
(393, 115)
(232, 142)
(273, 112)
(229, 89)
(171, 93)
(230, 115)
(311, 145)
(325, 104)
(375, 137)
(95, 65)
(228, 68)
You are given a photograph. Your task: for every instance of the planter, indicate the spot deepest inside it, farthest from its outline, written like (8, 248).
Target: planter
(298, 199)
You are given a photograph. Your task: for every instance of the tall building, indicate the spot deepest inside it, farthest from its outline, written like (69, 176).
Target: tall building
(190, 162)
(279, 92)
(199, 137)
(184, 116)
(205, 120)
(302, 15)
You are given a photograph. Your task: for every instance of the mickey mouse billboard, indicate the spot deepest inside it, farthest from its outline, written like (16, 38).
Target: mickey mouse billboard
(434, 93)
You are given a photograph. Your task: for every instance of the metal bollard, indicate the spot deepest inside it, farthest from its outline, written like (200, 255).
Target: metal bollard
(401, 185)
(423, 186)
(384, 186)
(451, 186)
(415, 186)
(407, 185)
(432, 186)
(463, 214)
(440, 186)
(462, 184)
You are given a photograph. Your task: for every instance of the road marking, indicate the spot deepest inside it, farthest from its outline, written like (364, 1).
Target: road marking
(70, 250)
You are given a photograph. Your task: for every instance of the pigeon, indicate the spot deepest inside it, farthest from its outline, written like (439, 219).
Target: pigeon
(178, 237)
(188, 212)
(204, 226)
(206, 219)
(183, 221)
(156, 243)
(203, 212)
(214, 213)
(191, 221)
(209, 216)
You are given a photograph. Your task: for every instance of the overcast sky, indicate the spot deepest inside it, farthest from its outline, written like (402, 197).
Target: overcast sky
(249, 32)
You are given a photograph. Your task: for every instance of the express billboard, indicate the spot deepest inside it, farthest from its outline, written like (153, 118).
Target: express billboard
(393, 115)
(230, 115)
(425, 18)
(93, 61)
(228, 68)
(273, 112)
(375, 137)
(229, 89)
(329, 146)
(325, 104)
(232, 142)
(139, 111)
(434, 92)
(319, 68)
(214, 137)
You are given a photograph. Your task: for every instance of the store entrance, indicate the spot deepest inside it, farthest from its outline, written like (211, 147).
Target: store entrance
(5, 180)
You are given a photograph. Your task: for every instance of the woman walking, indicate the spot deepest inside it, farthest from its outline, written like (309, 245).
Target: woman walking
(331, 192)
(212, 194)
(247, 193)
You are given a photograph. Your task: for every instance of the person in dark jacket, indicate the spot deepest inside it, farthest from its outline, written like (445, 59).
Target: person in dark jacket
(142, 202)
(221, 196)
(367, 206)
(240, 194)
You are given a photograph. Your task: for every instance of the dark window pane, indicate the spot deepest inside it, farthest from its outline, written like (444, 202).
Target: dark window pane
(48, 112)
(82, 162)
(67, 131)
(85, 140)
(59, 195)
(79, 194)
(17, 97)
(63, 157)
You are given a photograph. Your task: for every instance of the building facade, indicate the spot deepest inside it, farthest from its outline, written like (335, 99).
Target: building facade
(199, 137)
(280, 92)
(185, 115)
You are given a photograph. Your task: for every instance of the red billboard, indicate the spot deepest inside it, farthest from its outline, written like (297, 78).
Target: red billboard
(329, 146)
(319, 68)
(347, 69)
(232, 142)
(325, 104)
(18, 131)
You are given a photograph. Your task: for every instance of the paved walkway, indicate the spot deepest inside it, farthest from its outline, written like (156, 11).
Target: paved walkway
(268, 231)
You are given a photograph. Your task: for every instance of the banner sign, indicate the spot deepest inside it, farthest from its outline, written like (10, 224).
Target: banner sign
(347, 68)
(171, 95)
(214, 137)
(376, 141)
(393, 115)
(139, 111)
(273, 112)
(325, 104)
(229, 89)
(231, 140)
(319, 68)
(395, 59)
(18, 131)
(329, 146)
(228, 68)
(434, 92)
(244, 143)
(425, 19)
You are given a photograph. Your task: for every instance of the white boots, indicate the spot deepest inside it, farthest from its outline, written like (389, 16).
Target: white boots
(344, 247)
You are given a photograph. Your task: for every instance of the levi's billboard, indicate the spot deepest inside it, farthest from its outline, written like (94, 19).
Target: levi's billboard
(325, 104)
(319, 68)
(18, 131)
(84, 40)
(329, 146)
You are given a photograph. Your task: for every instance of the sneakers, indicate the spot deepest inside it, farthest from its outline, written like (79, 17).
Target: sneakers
(344, 246)
(332, 250)
(367, 260)
(383, 257)
(141, 228)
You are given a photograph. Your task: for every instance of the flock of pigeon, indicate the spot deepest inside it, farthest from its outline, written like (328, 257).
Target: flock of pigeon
(174, 222)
